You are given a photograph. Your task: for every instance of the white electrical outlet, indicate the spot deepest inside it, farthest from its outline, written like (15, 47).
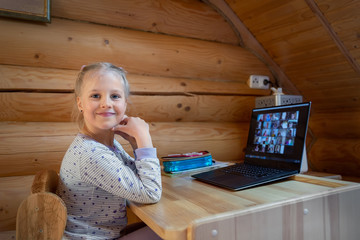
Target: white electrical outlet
(259, 82)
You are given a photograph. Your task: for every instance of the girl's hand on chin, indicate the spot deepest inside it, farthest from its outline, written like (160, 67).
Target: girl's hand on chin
(135, 130)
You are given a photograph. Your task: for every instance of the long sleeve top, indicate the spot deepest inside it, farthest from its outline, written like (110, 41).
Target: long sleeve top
(95, 182)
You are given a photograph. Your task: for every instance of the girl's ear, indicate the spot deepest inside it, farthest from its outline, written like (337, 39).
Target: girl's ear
(79, 105)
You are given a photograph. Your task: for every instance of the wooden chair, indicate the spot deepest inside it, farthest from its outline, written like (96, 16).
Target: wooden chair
(42, 215)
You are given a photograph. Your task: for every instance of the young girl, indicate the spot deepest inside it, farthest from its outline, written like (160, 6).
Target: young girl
(97, 176)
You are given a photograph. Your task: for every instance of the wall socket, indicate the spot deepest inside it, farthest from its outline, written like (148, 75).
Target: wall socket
(259, 82)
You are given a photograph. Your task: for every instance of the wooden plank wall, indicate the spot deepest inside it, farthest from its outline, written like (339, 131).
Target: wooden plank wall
(186, 72)
(316, 44)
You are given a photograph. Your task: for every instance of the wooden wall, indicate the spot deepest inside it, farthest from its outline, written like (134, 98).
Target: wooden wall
(316, 44)
(186, 71)
(188, 62)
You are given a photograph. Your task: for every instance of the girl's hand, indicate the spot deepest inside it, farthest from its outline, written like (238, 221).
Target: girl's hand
(136, 131)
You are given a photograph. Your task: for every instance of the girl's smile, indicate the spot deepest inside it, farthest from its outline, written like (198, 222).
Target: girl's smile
(106, 114)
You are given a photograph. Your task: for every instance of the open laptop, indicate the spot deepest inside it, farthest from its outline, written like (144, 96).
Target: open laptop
(274, 148)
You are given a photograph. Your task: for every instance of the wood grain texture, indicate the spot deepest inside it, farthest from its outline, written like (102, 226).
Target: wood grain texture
(45, 181)
(36, 106)
(41, 216)
(288, 220)
(141, 52)
(344, 20)
(343, 125)
(328, 155)
(27, 148)
(35, 78)
(55, 107)
(295, 38)
(13, 190)
(297, 41)
(248, 41)
(19, 78)
(38, 60)
(190, 19)
(279, 207)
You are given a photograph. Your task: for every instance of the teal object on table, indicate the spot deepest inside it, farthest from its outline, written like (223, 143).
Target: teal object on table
(185, 163)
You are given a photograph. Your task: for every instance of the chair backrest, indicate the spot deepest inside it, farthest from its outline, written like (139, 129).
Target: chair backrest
(42, 215)
(45, 181)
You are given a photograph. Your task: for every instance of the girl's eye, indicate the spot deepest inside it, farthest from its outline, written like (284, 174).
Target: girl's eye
(95, 96)
(115, 96)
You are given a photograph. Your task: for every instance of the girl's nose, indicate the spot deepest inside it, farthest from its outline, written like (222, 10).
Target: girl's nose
(106, 102)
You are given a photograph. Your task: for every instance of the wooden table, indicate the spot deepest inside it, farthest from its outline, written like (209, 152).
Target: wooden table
(296, 208)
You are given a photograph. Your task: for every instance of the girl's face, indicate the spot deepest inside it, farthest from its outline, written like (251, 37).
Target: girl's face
(102, 101)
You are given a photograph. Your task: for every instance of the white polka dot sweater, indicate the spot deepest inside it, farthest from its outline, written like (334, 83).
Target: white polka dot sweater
(95, 182)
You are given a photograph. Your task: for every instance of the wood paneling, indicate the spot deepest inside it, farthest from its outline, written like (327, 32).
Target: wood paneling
(26, 148)
(344, 19)
(248, 41)
(18, 78)
(191, 86)
(316, 44)
(336, 155)
(12, 191)
(331, 32)
(138, 52)
(57, 107)
(188, 89)
(343, 125)
(302, 45)
(193, 18)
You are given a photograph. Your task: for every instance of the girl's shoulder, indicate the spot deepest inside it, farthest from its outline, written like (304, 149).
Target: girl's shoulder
(87, 142)
(84, 140)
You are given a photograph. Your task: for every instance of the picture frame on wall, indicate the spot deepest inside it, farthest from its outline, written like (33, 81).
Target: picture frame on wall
(34, 10)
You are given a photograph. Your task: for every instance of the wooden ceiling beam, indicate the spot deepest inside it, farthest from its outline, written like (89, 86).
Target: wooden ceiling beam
(249, 42)
(327, 26)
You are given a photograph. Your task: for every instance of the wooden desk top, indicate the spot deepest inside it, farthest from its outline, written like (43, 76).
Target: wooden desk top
(185, 200)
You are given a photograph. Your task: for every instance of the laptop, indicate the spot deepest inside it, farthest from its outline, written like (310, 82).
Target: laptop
(274, 149)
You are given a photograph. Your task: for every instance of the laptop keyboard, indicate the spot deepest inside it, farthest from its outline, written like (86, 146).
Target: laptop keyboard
(251, 170)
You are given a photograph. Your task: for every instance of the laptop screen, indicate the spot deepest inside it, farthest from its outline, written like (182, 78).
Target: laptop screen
(277, 136)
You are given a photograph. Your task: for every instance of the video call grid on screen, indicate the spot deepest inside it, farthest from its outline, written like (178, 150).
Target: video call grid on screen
(278, 133)
(275, 132)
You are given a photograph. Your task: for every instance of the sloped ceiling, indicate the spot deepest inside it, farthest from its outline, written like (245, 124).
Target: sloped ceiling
(315, 43)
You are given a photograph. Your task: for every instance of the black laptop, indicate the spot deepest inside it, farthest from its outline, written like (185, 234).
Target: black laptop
(274, 149)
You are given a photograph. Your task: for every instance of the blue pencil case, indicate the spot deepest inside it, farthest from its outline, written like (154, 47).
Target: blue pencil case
(181, 162)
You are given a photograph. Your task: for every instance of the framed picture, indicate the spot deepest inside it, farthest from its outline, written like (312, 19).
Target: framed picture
(35, 10)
